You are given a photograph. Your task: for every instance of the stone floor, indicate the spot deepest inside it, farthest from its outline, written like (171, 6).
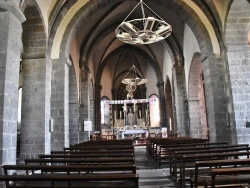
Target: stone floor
(150, 175)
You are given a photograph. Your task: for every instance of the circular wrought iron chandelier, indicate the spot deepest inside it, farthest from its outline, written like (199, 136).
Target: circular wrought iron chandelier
(143, 30)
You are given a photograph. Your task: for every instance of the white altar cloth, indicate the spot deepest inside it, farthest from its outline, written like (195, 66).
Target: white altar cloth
(134, 131)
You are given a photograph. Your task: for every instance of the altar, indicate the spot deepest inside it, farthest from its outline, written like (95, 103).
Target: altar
(132, 121)
(121, 133)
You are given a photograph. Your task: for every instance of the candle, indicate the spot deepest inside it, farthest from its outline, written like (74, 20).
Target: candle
(120, 114)
(115, 114)
(170, 125)
(139, 113)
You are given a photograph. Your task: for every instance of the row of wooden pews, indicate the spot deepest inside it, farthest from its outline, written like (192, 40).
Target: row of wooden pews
(203, 164)
(159, 148)
(107, 163)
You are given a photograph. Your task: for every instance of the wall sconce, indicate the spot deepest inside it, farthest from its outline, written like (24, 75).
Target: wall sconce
(80, 127)
(186, 102)
(81, 105)
(188, 122)
(227, 120)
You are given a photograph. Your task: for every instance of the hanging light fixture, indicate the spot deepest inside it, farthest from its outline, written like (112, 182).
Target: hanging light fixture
(132, 79)
(143, 30)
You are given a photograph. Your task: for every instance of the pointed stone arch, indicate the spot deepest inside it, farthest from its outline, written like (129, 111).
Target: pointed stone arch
(196, 99)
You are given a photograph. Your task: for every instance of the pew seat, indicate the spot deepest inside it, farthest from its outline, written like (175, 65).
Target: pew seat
(84, 180)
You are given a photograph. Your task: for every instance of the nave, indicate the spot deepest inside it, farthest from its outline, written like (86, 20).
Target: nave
(150, 175)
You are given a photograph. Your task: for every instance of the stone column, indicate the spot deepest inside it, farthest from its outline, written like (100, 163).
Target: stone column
(35, 136)
(84, 111)
(10, 49)
(216, 100)
(144, 105)
(73, 108)
(114, 96)
(162, 104)
(181, 104)
(98, 89)
(194, 117)
(60, 104)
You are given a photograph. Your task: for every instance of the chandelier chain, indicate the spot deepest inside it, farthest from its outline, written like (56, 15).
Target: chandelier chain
(131, 12)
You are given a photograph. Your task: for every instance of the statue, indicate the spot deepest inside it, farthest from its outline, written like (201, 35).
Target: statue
(131, 117)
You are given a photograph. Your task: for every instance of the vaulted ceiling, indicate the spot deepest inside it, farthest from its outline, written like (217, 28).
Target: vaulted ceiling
(85, 30)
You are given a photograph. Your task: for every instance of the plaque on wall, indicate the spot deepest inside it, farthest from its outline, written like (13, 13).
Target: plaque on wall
(87, 125)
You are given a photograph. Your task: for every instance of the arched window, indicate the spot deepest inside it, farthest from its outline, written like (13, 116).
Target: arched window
(154, 111)
(105, 111)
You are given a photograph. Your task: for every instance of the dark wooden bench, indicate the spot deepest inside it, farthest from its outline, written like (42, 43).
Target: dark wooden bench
(173, 152)
(100, 147)
(91, 151)
(154, 143)
(228, 176)
(188, 161)
(163, 154)
(92, 161)
(178, 153)
(88, 155)
(96, 164)
(73, 169)
(106, 142)
(203, 169)
(88, 180)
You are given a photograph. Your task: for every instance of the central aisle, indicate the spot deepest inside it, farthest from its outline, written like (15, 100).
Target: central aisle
(150, 175)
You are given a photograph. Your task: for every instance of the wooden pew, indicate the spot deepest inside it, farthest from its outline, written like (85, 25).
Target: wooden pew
(90, 151)
(228, 176)
(105, 163)
(154, 143)
(107, 142)
(87, 155)
(73, 169)
(175, 154)
(203, 169)
(89, 180)
(188, 161)
(100, 147)
(164, 152)
(110, 161)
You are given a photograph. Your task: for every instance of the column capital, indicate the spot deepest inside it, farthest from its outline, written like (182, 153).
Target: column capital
(86, 68)
(12, 6)
(160, 84)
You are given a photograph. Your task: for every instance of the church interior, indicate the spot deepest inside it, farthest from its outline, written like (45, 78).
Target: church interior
(79, 70)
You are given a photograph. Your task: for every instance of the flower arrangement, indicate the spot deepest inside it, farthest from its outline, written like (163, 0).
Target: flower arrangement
(136, 138)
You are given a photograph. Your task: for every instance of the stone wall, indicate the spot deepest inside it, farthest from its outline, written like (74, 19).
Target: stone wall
(238, 54)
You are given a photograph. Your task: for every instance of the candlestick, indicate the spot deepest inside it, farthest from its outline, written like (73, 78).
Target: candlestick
(170, 125)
